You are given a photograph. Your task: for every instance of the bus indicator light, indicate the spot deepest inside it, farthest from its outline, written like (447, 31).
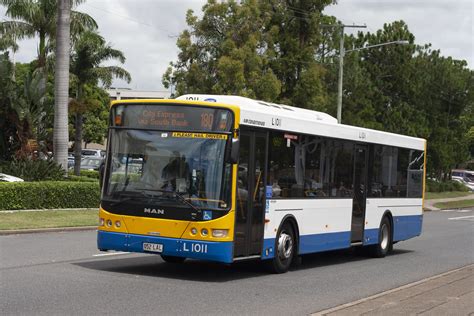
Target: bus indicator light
(220, 233)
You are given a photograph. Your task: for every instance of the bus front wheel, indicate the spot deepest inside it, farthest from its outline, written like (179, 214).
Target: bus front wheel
(384, 244)
(284, 249)
(172, 259)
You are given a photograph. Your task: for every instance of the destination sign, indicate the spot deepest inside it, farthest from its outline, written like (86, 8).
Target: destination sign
(172, 117)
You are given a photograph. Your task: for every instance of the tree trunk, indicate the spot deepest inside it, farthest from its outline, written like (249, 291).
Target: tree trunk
(61, 84)
(78, 143)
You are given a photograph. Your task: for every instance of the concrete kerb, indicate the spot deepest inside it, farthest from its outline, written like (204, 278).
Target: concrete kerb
(339, 309)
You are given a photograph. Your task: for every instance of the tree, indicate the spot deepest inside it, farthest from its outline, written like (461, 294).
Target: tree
(89, 52)
(410, 90)
(259, 49)
(61, 83)
(38, 18)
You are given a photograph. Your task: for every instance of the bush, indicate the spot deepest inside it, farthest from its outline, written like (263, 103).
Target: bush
(48, 194)
(80, 179)
(451, 185)
(87, 173)
(33, 170)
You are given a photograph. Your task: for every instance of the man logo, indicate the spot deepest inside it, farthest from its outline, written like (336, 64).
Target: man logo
(154, 211)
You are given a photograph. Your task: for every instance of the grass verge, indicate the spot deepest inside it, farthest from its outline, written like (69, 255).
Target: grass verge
(48, 219)
(445, 195)
(455, 204)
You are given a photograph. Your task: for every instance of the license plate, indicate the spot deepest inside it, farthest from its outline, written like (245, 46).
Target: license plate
(148, 246)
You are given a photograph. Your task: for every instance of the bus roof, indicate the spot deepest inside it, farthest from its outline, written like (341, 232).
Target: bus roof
(292, 119)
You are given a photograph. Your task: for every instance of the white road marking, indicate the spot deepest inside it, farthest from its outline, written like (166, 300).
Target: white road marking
(460, 218)
(464, 211)
(449, 210)
(110, 254)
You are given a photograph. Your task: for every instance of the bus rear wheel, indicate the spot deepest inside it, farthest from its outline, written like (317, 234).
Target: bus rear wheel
(284, 250)
(172, 259)
(384, 244)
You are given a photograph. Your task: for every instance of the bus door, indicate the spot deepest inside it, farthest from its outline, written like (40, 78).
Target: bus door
(250, 195)
(360, 192)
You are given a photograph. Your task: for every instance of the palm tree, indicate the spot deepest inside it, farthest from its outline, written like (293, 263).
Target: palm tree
(38, 18)
(89, 52)
(61, 83)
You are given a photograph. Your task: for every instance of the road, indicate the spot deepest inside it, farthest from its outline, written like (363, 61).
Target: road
(63, 273)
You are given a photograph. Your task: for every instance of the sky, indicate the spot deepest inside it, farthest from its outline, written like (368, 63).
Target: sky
(146, 30)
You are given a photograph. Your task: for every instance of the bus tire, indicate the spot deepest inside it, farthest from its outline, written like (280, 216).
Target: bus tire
(384, 244)
(285, 247)
(173, 259)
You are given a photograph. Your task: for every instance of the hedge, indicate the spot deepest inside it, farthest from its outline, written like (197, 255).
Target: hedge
(48, 194)
(87, 173)
(451, 185)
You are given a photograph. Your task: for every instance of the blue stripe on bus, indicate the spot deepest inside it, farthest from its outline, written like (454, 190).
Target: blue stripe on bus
(196, 249)
(312, 243)
(371, 236)
(405, 227)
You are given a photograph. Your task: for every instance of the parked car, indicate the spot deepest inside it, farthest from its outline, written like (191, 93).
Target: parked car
(91, 163)
(70, 161)
(93, 153)
(466, 177)
(9, 178)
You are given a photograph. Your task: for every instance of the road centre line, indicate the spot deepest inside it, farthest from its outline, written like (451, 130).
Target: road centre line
(460, 218)
(110, 254)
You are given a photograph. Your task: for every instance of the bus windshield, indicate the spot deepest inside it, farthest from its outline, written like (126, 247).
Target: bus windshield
(187, 165)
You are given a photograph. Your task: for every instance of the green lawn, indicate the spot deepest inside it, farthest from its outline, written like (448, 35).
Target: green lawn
(455, 204)
(48, 219)
(445, 195)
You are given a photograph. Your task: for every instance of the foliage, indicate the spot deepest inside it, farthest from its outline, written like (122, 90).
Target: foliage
(49, 194)
(258, 49)
(33, 170)
(89, 52)
(92, 174)
(74, 178)
(444, 186)
(9, 141)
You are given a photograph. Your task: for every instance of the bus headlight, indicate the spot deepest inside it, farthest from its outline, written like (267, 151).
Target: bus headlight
(109, 223)
(101, 222)
(220, 232)
(204, 232)
(194, 231)
(118, 224)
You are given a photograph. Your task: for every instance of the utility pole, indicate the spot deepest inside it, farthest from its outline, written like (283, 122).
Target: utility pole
(341, 67)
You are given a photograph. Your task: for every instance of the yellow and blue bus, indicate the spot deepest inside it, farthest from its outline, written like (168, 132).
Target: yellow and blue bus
(227, 178)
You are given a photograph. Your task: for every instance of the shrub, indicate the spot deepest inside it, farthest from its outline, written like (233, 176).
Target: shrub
(48, 194)
(437, 186)
(80, 179)
(87, 173)
(33, 170)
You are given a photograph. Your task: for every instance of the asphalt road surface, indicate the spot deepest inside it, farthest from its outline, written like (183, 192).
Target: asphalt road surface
(63, 273)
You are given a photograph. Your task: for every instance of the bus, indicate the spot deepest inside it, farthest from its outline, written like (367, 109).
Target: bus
(228, 178)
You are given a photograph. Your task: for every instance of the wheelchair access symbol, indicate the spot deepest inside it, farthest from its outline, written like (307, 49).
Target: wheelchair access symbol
(207, 215)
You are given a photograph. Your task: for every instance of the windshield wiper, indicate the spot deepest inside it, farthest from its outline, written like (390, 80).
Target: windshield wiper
(137, 195)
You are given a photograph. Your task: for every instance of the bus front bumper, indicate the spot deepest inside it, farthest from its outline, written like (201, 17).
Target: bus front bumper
(196, 249)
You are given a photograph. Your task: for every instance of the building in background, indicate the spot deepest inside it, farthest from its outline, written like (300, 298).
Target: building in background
(125, 94)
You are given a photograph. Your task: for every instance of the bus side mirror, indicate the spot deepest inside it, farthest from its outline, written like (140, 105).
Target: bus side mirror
(234, 152)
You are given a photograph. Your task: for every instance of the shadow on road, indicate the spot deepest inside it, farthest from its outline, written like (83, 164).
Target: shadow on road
(201, 271)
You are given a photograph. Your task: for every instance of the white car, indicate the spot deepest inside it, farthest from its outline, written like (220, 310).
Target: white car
(466, 177)
(9, 178)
